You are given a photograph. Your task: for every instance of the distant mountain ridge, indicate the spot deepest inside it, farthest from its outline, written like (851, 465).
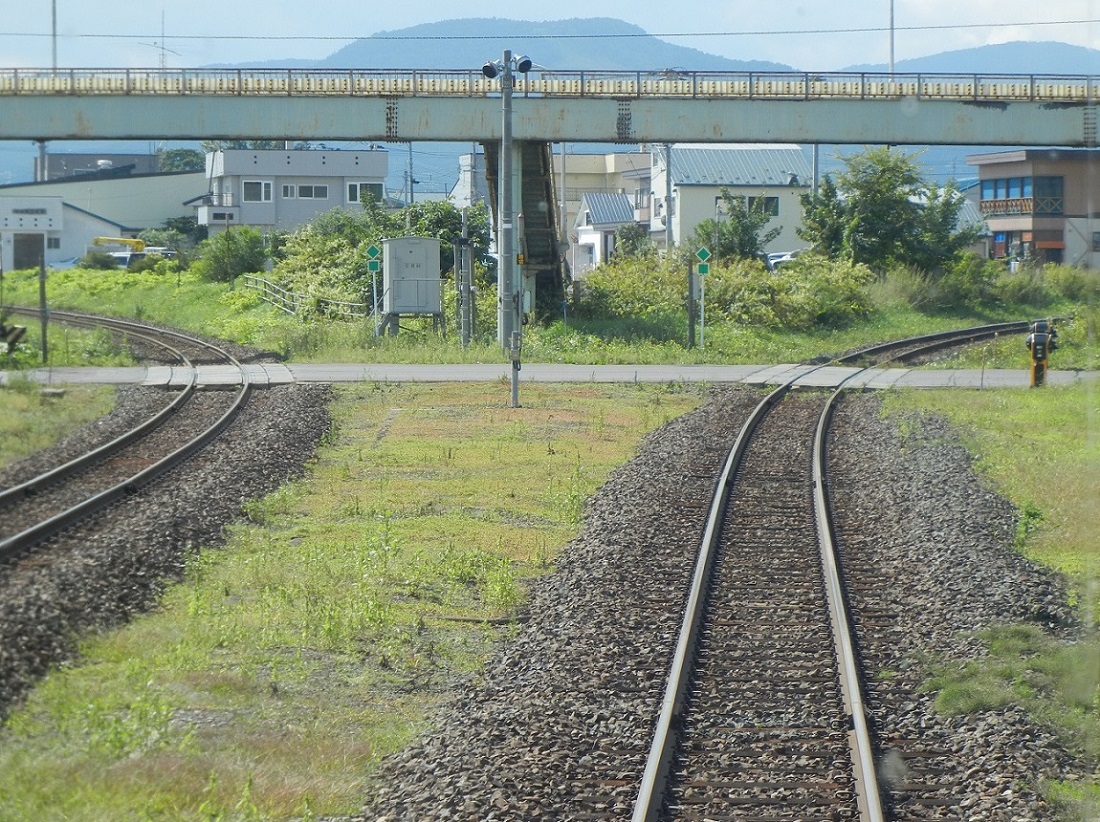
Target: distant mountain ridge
(595, 43)
(1045, 57)
(604, 43)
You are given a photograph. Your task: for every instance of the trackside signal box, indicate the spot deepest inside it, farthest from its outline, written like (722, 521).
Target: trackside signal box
(410, 281)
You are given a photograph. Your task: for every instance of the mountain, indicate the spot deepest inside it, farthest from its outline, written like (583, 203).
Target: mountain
(1007, 58)
(553, 44)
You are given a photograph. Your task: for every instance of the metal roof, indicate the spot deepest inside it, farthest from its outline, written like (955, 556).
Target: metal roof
(607, 208)
(755, 165)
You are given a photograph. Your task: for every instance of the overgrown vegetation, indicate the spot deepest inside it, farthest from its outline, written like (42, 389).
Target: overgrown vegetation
(271, 680)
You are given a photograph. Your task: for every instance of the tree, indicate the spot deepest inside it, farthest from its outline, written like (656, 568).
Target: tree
(881, 212)
(232, 253)
(740, 234)
(632, 240)
(181, 159)
(823, 220)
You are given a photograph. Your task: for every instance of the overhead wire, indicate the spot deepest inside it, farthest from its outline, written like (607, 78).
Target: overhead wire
(559, 36)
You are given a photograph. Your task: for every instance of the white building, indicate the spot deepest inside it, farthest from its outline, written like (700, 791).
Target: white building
(47, 229)
(282, 190)
(601, 216)
(772, 176)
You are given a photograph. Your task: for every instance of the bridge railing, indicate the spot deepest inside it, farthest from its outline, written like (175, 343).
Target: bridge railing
(615, 84)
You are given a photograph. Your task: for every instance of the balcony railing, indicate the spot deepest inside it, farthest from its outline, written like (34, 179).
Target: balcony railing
(1011, 206)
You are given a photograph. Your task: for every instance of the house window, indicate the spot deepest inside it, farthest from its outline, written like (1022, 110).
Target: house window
(256, 191)
(290, 192)
(1096, 241)
(768, 205)
(222, 216)
(1049, 195)
(313, 192)
(53, 242)
(364, 192)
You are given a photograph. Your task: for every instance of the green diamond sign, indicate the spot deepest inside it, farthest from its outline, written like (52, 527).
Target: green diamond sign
(703, 254)
(372, 251)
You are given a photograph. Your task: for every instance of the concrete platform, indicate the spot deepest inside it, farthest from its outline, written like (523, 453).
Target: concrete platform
(762, 375)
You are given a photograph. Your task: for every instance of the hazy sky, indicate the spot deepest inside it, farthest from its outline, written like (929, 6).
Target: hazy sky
(812, 35)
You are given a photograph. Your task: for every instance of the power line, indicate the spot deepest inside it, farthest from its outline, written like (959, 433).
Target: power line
(617, 36)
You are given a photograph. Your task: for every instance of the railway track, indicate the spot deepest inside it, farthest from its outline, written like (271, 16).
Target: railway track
(769, 705)
(57, 498)
(764, 715)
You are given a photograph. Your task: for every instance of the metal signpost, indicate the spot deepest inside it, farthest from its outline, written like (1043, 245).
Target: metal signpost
(702, 268)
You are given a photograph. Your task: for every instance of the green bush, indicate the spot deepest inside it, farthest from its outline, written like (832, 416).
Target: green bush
(643, 287)
(968, 280)
(1026, 286)
(97, 261)
(810, 292)
(1081, 285)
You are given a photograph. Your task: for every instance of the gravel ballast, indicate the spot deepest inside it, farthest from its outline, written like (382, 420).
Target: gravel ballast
(497, 750)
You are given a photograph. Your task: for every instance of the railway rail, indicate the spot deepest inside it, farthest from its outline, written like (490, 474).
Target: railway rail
(670, 83)
(39, 506)
(764, 714)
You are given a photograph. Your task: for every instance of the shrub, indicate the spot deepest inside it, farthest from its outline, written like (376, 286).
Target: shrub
(98, 261)
(1026, 286)
(1080, 285)
(809, 292)
(643, 287)
(968, 280)
(902, 286)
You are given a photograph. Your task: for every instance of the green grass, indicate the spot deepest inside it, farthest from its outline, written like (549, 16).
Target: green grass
(33, 419)
(272, 679)
(1039, 448)
(275, 677)
(185, 301)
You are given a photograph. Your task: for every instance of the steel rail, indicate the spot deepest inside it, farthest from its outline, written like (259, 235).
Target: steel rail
(926, 343)
(18, 543)
(868, 796)
(88, 458)
(652, 790)
(653, 785)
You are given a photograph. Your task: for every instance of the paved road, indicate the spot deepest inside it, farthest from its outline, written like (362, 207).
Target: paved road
(277, 374)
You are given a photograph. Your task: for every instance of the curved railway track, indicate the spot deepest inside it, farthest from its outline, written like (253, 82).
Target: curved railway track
(764, 715)
(40, 506)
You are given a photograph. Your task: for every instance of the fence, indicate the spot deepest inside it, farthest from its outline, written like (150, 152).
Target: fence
(295, 304)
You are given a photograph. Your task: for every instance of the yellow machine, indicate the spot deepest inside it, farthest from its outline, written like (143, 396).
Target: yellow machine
(132, 242)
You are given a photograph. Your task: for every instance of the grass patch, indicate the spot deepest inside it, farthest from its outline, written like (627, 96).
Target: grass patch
(186, 301)
(33, 420)
(1038, 447)
(277, 674)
